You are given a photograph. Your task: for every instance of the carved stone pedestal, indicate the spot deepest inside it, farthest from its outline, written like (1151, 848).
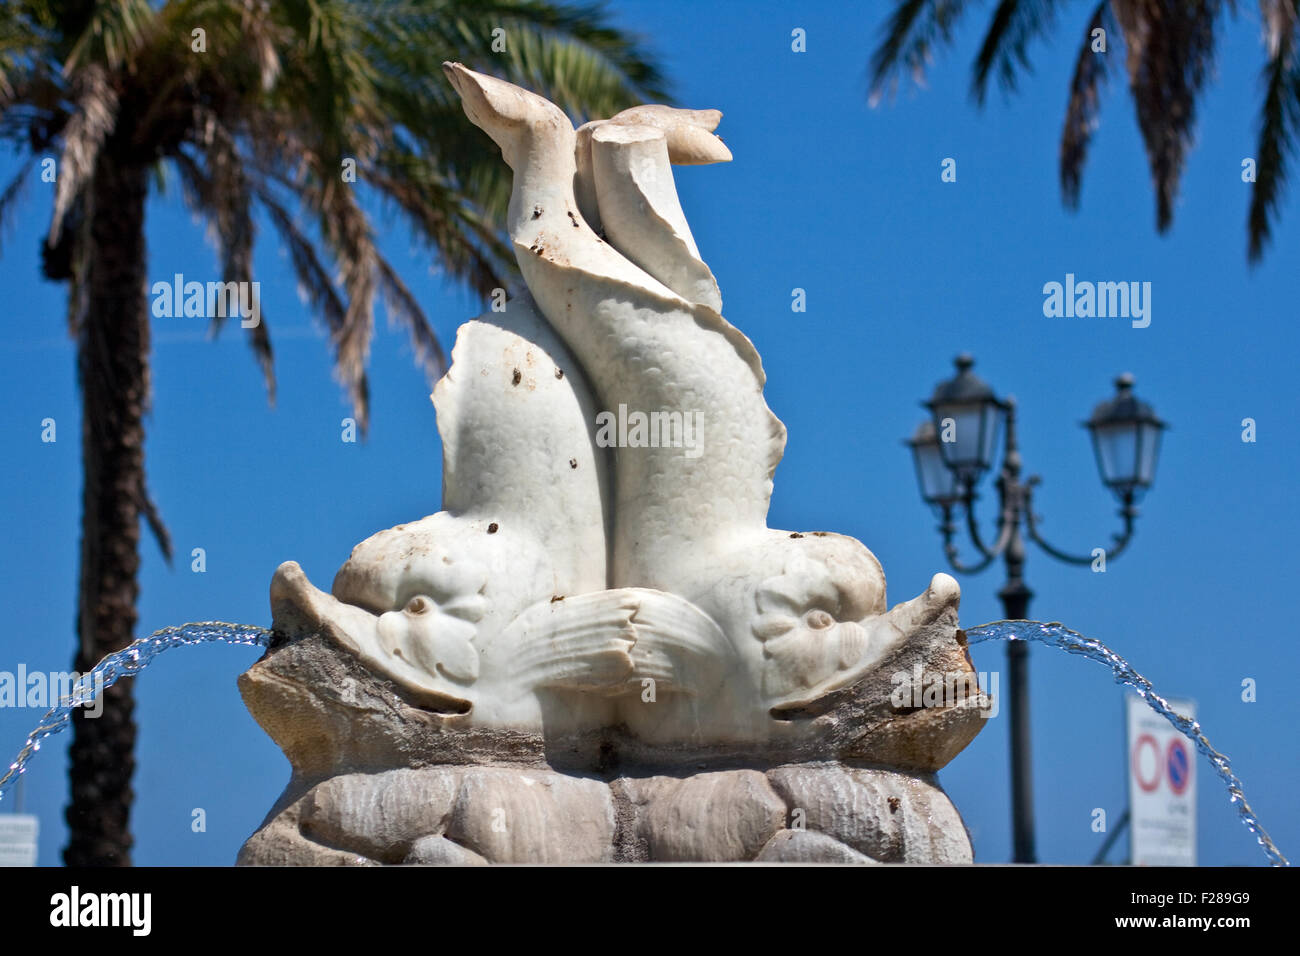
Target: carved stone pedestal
(796, 813)
(379, 779)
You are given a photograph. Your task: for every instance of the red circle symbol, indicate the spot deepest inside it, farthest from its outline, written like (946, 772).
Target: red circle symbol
(1178, 767)
(1147, 785)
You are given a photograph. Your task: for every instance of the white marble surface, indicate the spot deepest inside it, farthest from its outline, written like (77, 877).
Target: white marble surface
(638, 586)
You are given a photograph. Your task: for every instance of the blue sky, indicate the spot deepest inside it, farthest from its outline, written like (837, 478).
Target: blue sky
(901, 272)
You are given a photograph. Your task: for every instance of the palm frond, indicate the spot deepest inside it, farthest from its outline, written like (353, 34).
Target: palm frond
(914, 30)
(1279, 120)
(346, 232)
(222, 193)
(422, 33)
(580, 79)
(1005, 48)
(313, 280)
(114, 32)
(153, 517)
(20, 39)
(1170, 50)
(92, 120)
(31, 116)
(1091, 71)
(229, 200)
(240, 34)
(12, 192)
(469, 245)
(405, 311)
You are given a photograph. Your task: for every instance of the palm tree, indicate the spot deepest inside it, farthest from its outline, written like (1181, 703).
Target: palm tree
(255, 106)
(1169, 47)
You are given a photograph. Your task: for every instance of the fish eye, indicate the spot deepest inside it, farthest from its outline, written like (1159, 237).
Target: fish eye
(418, 605)
(819, 619)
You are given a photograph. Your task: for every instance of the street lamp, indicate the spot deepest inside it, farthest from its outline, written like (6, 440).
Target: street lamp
(1126, 438)
(938, 482)
(954, 448)
(967, 416)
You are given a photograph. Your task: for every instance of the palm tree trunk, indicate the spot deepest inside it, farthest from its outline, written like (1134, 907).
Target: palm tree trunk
(113, 370)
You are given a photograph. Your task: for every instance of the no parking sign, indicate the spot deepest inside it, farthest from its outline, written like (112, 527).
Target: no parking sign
(1162, 787)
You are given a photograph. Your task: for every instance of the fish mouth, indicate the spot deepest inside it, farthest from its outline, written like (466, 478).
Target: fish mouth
(299, 606)
(455, 74)
(472, 97)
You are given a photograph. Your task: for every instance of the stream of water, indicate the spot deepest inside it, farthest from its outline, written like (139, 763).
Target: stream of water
(1056, 635)
(140, 654)
(127, 662)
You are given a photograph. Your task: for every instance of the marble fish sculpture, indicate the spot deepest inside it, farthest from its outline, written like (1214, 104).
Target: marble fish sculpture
(582, 601)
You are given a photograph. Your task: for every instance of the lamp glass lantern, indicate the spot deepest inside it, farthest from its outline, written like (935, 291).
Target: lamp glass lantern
(1126, 440)
(967, 418)
(938, 482)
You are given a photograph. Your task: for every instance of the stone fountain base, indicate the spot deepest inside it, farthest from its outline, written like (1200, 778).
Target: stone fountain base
(796, 813)
(382, 779)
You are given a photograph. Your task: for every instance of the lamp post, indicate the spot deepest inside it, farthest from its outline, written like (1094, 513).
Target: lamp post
(954, 448)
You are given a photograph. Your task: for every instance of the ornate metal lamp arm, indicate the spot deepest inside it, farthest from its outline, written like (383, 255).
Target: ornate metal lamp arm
(1128, 512)
(1012, 498)
(1006, 527)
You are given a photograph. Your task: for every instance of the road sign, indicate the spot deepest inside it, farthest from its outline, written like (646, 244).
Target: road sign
(17, 839)
(1178, 767)
(1162, 787)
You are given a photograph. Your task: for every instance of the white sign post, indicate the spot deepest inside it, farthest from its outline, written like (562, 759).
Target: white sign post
(1161, 787)
(17, 839)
